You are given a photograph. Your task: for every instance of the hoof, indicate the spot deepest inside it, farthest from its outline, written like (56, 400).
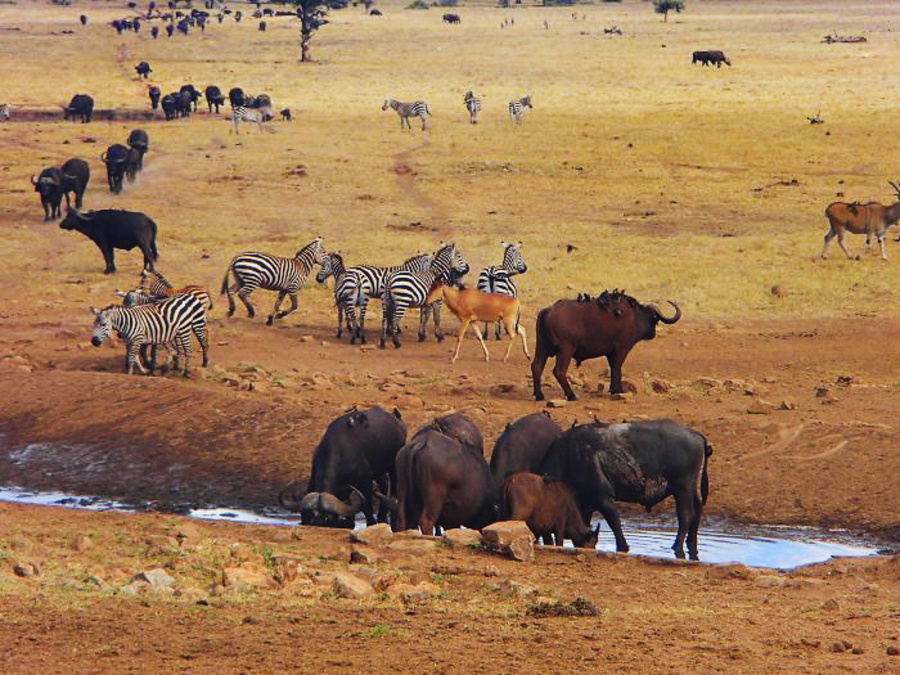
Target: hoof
(421, 337)
(230, 313)
(440, 338)
(538, 397)
(270, 321)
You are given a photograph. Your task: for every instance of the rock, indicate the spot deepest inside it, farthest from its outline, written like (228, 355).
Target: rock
(660, 386)
(414, 546)
(733, 571)
(734, 384)
(505, 388)
(761, 407)
(517, 589)
(892, 651)
(350, 586)
(710, 382)
(837, 647)
(420, 592)
(822, 390)
(556, 403)
(857, 650)
(778, 291)
(306, 338)
(787, 405)
(491, 570)
(578, 607)
(362, 556)
(460, 538)
(769, 581)
(629, 387)
(379, 535)
(157, 578)
(243, 578)
(81, 542)
(25, 569)
(622, 396)
(830, 605)
(512, 537)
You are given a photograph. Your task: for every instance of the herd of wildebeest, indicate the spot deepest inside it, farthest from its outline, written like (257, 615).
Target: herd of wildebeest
(552, 479)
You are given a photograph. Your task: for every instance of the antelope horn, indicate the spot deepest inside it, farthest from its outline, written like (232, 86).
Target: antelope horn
(894, 185)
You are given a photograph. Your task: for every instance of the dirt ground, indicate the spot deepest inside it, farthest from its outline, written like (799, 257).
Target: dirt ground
(662, 180)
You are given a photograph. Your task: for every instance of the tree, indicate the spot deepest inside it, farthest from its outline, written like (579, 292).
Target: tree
(312, 17)
(665, 6)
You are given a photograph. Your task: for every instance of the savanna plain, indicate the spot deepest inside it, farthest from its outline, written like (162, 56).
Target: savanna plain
(635, 169)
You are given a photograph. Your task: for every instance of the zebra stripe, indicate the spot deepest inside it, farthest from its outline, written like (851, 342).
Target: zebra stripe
(517, 108)
(473, 105)
(498, 278)
(272, 273)
(166, 323)
(405, 289)
(333, 266)
(407, 110)
(250, 115)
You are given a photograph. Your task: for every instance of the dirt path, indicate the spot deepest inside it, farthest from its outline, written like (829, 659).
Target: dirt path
(406, 181)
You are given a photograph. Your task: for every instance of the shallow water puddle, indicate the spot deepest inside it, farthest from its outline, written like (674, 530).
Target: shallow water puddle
(774, 547)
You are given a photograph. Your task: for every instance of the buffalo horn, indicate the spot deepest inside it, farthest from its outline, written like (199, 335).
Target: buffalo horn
(81, 215)
(668, 320)
(103, 157)
(328, 503)
(309, 502)
(33, 181)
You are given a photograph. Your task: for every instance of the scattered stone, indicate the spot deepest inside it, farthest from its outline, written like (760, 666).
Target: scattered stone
(362, 556)
(837, 647)
(307, 338)
(629, 387)
(734, 571)
(25, 569)
(822, 390)
(379, 535)
(414, 546)
(157, 578)
(787, 404)
(243, 578)
(350, 586)
(769, 581)
(857, 650)
(660, 386)
(556, 403)
(622, 396)
(844, 380)
(761, 407)
(511, 537)
(81, 542)
(830, 605)
(892, 651)
(491, 570)
(578, 607)
(460, 538)
(516, 589)
(710, 382)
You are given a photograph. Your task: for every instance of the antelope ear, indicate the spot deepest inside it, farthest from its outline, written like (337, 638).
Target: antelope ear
(120, 294)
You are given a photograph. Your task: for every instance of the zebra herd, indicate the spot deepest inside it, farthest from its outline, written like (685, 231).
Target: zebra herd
(473, 106)
(157, 314)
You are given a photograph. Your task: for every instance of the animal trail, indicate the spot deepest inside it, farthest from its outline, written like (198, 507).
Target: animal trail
(406, 181)
(786, 437)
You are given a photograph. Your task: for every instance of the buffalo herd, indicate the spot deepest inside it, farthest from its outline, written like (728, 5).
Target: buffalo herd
(552, 479)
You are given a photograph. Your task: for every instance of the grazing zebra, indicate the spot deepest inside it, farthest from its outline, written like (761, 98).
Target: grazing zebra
(256, 115)
(473, 105)
(4, 111)
(498, 278)
(166, 323)
(407, 110)
(363, 282)
(154, 288)
(333, 266)
(517, 108)
(273, 273)
(404, 289)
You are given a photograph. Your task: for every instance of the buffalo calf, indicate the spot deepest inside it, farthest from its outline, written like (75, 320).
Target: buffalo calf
(547, 507)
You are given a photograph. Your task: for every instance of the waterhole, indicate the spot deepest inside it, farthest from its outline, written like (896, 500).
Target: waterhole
(770, 546)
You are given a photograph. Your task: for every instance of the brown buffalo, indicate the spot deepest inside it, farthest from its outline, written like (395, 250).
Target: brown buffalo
(869, 219)
(608, 325)
(548, 507)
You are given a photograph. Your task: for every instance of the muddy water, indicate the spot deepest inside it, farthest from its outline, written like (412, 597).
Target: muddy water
(773, 547)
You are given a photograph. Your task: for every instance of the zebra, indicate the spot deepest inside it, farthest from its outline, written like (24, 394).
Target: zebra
(404, 289)
(256, 115)
(153, 288)
(5, 109)
(273, 273)
(363, 282)
(498, 278)
(407, 110)
(165, 323)
(473, 105)
(517, 108)
(333, 265)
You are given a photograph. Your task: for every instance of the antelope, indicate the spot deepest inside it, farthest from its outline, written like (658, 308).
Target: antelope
(870, 218)
(470, 305)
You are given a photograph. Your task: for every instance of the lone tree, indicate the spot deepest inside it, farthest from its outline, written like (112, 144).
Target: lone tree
(312, 17)
(665, 6)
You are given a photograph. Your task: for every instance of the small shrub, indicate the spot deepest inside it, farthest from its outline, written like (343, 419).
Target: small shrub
(418, 4)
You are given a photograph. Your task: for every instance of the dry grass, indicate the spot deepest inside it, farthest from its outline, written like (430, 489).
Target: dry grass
(645, 163)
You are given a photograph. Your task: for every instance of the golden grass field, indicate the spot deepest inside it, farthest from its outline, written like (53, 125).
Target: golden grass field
(674, 181)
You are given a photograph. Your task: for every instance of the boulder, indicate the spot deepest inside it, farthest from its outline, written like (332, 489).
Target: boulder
(460, 538)
(157, 578)
(511, 537)
(350, 586)
(414, 546)
(761, 407)
(244, 578)
(660, 386)
(375, 535)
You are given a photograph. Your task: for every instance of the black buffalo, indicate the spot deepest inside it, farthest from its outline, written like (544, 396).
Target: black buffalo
(81, 106)
(286, 115)
(442, 483)
(170, 106)
(143, 69)
(236, 96)
(84, 20)
(640, 462)
(608, 325)
(194, 94)
(523, 445)
(154, 32)
(262, 26)
(138, 144)
(374, 12)
(75, 176)
(111, 229)
(49, 185)
(154, 93)
(170, 29)
(451, 18)
(707, 57)
(460, 427)
(214, 97)
(116, 160)
(184, 103)
(358, 449)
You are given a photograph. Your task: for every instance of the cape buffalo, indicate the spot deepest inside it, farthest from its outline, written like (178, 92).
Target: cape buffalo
(81, 106)
(460, 427)
(138, 144)
(442, 483)
(641, 462)
(154, 93)
(169, 106)
(236, 97)
(116, 160)
(214, 98)
(523, 445)
(548, 508)
(451, 18)
(193, 93)
(358, 449)
(154, 32)
(609, 326)
(111, 229)
(707, 57)
(49, 185)
(75, 176)
(143, 69)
